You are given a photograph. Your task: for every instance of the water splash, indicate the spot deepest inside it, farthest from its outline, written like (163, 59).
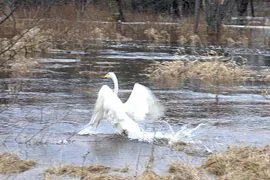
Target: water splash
(171, 137)
(185, 134)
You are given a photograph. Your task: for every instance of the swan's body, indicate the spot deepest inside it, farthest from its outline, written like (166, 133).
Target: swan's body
(141, 105)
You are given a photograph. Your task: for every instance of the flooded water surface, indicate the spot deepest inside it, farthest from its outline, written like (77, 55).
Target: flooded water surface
(41, 114)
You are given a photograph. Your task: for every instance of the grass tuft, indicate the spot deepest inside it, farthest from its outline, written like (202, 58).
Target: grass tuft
(11, 163)
(86, 172)
(211, 71)
(149, 174)
(184, 171)
(240, 163)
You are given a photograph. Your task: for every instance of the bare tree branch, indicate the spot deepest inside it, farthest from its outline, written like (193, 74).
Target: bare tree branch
(22, 35)
(10, 13)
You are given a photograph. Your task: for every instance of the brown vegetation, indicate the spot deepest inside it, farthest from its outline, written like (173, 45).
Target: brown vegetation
(237, 163)
(93, 22)
(28, 42)
(11, 163)
(156, 36)
(212, 71)
(240, 163)
(86, 172)
(149, 174)
(184, 171)
(19, 53)
(178, 171)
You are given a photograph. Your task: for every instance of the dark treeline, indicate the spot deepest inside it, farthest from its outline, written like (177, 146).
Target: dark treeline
(176, 8)
(185, 6)
(215, 11)
(171, 7)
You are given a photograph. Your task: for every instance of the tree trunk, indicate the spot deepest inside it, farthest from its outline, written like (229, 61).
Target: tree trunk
(215, 12)
(252, 8)
(211, 10)
(196, 16)
(242, 7)
(187, 7)
(175, 6)
(120, 11)
(134, 5)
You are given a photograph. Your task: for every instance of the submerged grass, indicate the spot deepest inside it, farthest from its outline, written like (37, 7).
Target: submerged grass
(11, 163)
(240, 163)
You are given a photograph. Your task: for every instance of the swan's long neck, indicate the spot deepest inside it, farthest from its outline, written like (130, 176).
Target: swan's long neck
(115, 82)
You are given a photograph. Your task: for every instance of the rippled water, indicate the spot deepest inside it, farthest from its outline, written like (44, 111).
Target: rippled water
(57, 101)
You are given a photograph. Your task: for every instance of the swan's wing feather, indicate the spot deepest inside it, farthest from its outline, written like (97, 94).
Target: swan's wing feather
(143, 104)
(107, 105)
(114, 110)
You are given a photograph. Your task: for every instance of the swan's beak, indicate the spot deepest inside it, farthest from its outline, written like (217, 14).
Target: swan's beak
(106, 76)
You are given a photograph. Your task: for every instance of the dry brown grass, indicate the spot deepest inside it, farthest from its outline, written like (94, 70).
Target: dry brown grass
(27, 42)
(183, 34)
(68, 11)
(184, 171)
(216, 72)
(149, 174)
(234, 37)
(262, 76)
(178, 171)
(86, 172)
(22, 66)
(211, 71)
(240, 163)
(180, 33)
(187, 37)
(156, 36)
(76, 24)
(11, 163)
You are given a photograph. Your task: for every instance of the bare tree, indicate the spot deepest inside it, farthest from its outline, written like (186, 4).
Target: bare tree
(120, 11)
(13, 7)
(242, 7)
(215, 12)
(7, 8)
(175, 7)
(252, 8)
(187, 7)
(196, 16)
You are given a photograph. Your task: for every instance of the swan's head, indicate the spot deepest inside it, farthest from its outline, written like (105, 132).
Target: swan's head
(110, 75)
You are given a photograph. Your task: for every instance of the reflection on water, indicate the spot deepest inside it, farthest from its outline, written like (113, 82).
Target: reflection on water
(38, 112)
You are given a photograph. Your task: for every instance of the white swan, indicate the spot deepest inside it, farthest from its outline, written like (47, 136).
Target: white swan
(141, 105)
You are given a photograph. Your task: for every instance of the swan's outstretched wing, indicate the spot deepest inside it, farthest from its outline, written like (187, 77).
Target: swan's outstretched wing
(143, 104)
(109, 106)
